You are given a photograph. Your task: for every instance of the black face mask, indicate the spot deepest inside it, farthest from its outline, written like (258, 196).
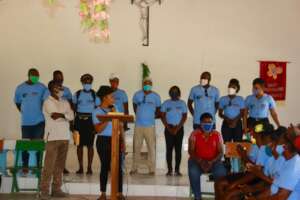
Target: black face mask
(174, 95)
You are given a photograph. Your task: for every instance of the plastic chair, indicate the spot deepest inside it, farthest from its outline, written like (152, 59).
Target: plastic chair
(30, 146)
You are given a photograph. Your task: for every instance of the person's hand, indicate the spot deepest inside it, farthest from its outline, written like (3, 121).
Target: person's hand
(250, 197)
(56, 116)
(176, 129)
(170, 129)
(205, 166)
(244, 189)
(245, 130)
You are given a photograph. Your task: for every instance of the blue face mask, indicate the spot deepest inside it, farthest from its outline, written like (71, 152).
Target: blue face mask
(279, 149)
(268, 151)
(87, 87)
(207, 127)
(147, 88)
(255, 92)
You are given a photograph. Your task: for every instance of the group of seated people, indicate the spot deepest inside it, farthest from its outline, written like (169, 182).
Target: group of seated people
(271, 165)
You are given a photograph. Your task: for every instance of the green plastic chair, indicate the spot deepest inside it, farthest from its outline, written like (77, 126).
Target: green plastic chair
(28, 145)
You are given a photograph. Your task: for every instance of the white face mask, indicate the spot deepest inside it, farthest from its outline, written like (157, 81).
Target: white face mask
(231, 91)
(60, 94)
(204, 82)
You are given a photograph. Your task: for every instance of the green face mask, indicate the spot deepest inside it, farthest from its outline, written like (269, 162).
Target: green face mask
(34, 79)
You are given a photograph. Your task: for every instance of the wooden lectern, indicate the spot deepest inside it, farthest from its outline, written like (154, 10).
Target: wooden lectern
(115, 144)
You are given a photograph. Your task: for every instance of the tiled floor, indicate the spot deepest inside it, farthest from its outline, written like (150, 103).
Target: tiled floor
(78, 197)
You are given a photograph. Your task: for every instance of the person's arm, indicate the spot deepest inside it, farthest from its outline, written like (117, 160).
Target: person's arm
(69, 114)
(100, 126)
(192, 148)
(275, 116)
(259, 173)
(244, 113)
(220, 155)
(18, 105)
(164, 119)
(18, 99)
(221, 113)
(190, 106)
(157, 113)
(182, 121)
(126, 110)
(282, 194)
(50, 111)
(134, 107)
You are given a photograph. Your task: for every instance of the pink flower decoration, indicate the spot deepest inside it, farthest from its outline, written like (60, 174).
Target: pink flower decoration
(274, 71)
(104, 15)
(96, 16)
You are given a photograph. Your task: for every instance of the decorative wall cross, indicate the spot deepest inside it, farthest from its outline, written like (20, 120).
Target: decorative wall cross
(144, 7)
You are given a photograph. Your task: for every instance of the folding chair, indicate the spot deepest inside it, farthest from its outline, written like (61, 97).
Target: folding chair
(37, 146)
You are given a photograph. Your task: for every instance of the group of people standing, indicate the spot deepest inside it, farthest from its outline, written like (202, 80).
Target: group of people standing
(51, 112)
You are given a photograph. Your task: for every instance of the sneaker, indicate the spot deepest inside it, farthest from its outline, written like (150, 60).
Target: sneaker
(59, 194)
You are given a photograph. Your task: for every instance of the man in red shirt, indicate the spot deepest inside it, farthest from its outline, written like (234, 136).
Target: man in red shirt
(206, 152)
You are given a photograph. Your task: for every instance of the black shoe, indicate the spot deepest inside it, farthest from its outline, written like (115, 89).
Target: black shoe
(169, 173)
(80, 171)
(89, 172)
(66, 171)
(177, 173)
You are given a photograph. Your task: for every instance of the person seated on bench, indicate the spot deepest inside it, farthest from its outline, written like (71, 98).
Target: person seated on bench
(206, 151)
(264, 175)
(256, 156)
(288, 176)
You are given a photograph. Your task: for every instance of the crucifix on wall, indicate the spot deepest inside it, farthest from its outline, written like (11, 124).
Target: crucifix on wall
(144, 7)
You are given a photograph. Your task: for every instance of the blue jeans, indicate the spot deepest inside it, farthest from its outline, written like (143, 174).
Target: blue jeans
(33, 133)
(218, 170)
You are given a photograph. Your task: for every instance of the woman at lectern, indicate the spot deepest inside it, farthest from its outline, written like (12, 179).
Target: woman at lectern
(103, 139)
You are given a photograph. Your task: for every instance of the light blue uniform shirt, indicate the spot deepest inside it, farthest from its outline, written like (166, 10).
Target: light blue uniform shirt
(146, 108)
(67, 94)
(259, 108)
(108, 129)
(31, 99)
(262, 157)
(253, 154)
(232, 107)
(273, 166)
(85, 102)
(204, 103)
(296, 192)
(174, 111)
(120, 97)
(288, 176)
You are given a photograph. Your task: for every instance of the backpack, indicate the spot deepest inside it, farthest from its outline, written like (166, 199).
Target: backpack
(78, 94)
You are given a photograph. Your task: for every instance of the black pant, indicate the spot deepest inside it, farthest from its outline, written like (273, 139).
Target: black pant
(252, 122)
(232, 134)
(174, 141)
(103, 145)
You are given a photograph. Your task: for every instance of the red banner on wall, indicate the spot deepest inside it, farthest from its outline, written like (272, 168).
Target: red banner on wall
(274, 74)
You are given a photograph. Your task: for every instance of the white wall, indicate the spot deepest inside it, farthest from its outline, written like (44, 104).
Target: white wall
(187, 37)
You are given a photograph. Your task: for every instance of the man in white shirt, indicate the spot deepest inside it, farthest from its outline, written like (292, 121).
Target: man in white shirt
(58, 114)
